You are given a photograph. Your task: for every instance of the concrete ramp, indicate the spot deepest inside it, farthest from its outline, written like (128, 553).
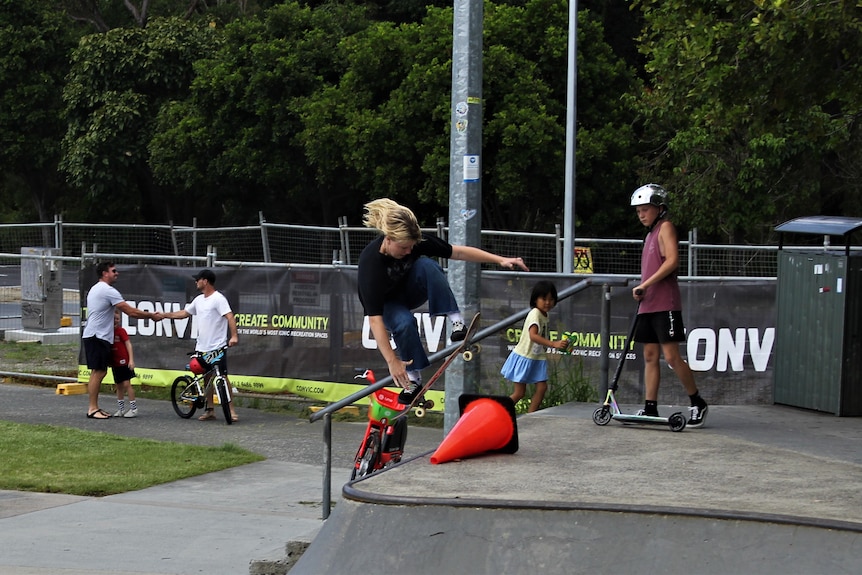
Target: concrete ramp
(440, 539)
(761, 490)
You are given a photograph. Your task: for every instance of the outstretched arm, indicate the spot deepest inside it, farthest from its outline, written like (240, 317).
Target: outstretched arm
(130, 311)
(179, 314)
(471, 254)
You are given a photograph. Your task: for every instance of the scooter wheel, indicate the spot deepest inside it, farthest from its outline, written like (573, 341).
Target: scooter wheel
(467, 355)
(602, 416)
(676, 421)
(420, 412)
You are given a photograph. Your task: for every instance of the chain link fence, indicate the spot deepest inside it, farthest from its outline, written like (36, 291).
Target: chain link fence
(284, 244)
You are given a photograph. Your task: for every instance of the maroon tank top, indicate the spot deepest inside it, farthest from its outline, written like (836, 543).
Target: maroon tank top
(663, 296)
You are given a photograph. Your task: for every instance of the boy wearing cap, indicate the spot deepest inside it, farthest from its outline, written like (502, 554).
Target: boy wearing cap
(215, 321)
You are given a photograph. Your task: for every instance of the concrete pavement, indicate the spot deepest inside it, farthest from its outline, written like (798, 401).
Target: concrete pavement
(760, 489)
(218, 523)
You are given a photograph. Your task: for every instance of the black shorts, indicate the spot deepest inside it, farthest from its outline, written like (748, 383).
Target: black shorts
(222, 363)
(98, 352)
(122, 373)
(660, 327)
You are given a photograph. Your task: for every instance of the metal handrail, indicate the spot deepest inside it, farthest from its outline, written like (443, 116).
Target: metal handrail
(326, 413)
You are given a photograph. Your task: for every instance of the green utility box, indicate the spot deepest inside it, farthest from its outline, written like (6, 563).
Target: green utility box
(818, 332)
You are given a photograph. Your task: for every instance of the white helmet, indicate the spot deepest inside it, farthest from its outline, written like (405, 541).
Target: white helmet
(650, 194)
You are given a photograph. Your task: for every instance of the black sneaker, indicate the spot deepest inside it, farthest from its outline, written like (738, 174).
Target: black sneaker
(459, 331)
(698, 415)
(409, 393)
(644, 412)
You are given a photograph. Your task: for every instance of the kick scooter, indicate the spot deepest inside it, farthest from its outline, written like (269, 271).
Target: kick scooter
(610, 410)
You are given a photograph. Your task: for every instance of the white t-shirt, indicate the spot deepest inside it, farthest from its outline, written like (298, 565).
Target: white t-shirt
(526, 347)
(212, 325)
(101, 300)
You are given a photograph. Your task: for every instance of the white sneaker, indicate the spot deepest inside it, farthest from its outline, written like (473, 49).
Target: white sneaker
(120, 413)
(131, 413)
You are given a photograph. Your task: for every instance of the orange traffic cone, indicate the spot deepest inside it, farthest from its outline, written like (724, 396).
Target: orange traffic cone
(487, 424)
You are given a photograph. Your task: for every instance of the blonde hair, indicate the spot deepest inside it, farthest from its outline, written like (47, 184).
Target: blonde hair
(393, 220)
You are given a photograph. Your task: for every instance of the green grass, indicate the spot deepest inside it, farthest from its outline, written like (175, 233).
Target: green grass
(49, 459)
(34, 357)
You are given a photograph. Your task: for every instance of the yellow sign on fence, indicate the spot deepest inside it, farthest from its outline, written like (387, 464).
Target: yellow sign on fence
(583, 261)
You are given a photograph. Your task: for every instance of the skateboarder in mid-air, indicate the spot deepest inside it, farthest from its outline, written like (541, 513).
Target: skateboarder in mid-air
(397, 275)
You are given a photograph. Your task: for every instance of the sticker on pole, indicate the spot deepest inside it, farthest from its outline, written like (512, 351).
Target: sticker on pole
(471, 168)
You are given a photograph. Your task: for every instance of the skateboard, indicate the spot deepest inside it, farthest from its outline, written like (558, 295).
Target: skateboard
(419, 401)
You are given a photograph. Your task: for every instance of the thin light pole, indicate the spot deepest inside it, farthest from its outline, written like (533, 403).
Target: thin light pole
(571, 138)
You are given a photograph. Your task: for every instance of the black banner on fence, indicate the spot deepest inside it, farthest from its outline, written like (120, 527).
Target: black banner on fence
(303, 331)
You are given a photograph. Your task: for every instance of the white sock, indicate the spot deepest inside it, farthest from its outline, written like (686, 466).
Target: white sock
(455, 316)
(415, 375)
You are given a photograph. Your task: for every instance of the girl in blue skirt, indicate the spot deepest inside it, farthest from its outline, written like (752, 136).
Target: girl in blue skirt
(527, 362)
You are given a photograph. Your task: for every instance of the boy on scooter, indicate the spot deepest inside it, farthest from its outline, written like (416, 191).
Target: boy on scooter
(659, 324)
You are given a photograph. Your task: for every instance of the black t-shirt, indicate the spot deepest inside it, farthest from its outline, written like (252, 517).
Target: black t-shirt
(381, 276)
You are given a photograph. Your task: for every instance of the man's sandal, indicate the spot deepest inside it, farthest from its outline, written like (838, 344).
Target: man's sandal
(208, 415)
(99, 414)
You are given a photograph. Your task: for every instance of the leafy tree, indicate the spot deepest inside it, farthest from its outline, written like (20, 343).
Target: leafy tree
(752, 109)
(525, 91)
(34, 41)
(232, 149)
(319, 99)
(118, 82)
(389, 116)
(104, 15)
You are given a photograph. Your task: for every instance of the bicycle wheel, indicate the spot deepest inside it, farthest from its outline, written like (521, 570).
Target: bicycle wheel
(366, 460)
(184, 396)
(224, 398)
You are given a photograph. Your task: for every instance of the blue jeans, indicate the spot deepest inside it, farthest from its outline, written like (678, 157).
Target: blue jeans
(425, 282)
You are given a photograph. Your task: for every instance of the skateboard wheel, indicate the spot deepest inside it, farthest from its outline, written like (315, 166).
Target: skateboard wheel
(602, 416)
(429, 404)
(420, 412)
(477, 348)
(467, 355)
(676, 421)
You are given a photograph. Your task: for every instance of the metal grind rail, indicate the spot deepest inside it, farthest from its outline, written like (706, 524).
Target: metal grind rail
(326, 413)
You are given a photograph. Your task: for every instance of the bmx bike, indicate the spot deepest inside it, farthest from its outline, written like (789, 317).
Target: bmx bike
(188, 394)
(386, 433)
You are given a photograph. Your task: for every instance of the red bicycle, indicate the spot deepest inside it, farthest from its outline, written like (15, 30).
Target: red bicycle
(383, 444)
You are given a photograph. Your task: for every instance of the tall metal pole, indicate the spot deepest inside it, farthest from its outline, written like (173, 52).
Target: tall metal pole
(465, 183)
(571, 138)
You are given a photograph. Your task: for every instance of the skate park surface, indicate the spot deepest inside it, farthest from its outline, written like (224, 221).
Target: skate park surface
(759, 489)
(765, 489)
